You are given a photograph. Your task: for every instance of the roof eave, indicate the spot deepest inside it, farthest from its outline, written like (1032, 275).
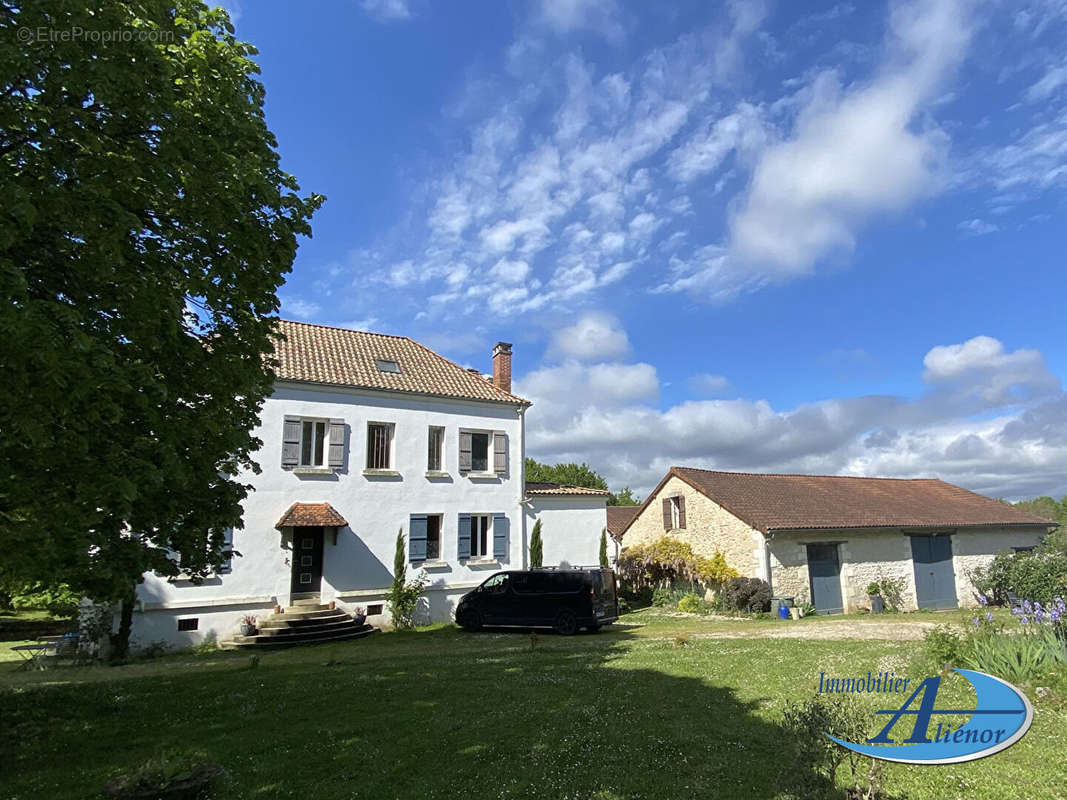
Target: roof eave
(518, 402)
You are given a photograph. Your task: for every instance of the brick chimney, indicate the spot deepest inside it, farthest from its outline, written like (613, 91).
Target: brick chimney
(502, 366)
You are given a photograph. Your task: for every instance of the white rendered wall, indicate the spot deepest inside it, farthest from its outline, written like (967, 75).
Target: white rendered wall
(357, 569)
(570, 528)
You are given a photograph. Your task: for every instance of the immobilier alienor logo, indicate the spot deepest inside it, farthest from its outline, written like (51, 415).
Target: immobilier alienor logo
(1000, 717)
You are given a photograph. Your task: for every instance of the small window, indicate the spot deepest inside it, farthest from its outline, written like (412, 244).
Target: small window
(1024, 549)
(387, 366)
(676, 513)
(375, 609)
(433, 537)
(379, 445)
(312, 442)
(435, 457)
(479, 452)
(189, 624)
(479, 536)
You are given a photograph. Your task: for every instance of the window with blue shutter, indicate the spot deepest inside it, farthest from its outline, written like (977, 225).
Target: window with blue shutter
(417, 538)
(227, 551)
(500, 537)
(464, 536)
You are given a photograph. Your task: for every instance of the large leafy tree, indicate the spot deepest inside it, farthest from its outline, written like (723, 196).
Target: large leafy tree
(146, 228)
(577, 475)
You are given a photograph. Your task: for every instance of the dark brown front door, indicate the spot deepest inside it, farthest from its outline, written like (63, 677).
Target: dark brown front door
(307, 560)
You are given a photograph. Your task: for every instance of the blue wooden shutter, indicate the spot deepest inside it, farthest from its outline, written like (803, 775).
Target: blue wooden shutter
(337, 443)
(500, 453)
(227, 551)
(465, 451)
(500, 536)
(417, 538)
(464, 536)
(290, 442)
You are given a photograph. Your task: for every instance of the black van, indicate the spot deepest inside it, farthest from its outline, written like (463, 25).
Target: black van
(564, 599)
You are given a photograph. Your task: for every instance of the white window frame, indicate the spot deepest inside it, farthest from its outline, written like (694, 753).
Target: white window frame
(487, 533)
(391, 455)
(440, 429)
(314, 421)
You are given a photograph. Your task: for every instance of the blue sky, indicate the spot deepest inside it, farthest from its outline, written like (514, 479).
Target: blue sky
(752, 235)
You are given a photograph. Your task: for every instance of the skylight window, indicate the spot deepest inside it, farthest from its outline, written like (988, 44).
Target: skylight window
(387, 366)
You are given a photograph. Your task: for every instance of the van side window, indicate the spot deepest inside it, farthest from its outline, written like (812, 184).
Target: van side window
(497, 584)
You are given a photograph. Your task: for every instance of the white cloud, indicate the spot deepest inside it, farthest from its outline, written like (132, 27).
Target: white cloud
(709, 384)
(976, 227)
(387, 10)
(993, 420)
(705, 151)
(602, 17)
(596, 336)
(855, 151)
(1048, 84)
(303, 309)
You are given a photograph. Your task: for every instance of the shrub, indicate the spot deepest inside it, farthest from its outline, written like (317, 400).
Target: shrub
(749, 595)
(691, 604)
(892, 591)
(667, 560)
(818, 758)
(1039, 576)
(664, 596)
(1017, 659)
(404, 595)
(942, 646)
(58, 600)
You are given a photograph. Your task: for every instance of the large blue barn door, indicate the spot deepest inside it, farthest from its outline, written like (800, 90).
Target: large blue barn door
(824, 571)
(935, 580)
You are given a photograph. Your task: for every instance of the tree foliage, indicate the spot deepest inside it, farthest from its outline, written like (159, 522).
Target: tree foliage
(148, 227)
(577, 475)
(604, 548)
(404, 595)
(624, 498)
(537, 547)
(668, 559)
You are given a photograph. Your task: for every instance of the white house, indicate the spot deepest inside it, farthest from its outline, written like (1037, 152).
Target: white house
(572, 519)
(365, 436)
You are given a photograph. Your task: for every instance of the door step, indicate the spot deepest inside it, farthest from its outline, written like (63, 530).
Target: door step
(299, 627)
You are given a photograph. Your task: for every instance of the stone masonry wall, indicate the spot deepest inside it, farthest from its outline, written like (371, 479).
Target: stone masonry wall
(709, 527)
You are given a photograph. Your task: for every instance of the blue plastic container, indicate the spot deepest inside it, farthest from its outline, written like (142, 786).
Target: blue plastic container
(783, 612)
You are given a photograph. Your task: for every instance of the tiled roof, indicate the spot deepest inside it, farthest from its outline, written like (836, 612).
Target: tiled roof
(542, 488)
(791, 502)
(802, 502)
(302, 514)
(320, 354)
(619, 517)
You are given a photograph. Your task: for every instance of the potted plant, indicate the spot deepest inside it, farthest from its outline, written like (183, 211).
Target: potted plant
(359, 615)
(248, 625)
(874, 592)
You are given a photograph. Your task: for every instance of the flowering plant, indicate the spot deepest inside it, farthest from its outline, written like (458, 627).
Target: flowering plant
(1035, 616)
(248, 619)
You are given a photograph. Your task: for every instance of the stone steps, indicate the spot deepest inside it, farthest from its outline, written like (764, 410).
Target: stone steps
(302, 624)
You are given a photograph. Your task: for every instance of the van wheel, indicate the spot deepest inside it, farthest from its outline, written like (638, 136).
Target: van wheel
(472, 621)
(566, 623)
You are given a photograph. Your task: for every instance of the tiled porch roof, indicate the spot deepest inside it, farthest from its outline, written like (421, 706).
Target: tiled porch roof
(311, 514)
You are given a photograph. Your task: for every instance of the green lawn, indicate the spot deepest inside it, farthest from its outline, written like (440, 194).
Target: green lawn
(627, 713)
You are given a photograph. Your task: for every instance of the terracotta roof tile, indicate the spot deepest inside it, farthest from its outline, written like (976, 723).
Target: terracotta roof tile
(320, 354)
(619, 517)
(302, 514)
(542, 488)
(798, 502)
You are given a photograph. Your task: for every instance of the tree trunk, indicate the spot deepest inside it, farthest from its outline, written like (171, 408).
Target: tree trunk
(120, 642)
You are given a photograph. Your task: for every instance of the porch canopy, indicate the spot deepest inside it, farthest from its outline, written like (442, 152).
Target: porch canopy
(302, 515)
